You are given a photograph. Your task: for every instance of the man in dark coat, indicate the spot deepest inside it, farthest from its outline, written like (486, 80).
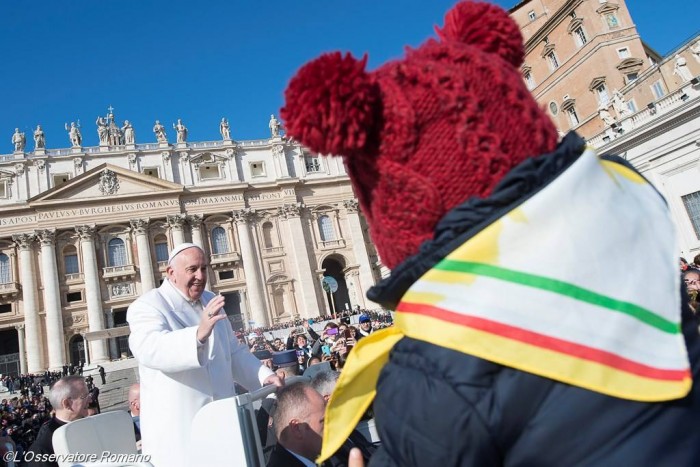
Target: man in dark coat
(69, 397)
(102, 374)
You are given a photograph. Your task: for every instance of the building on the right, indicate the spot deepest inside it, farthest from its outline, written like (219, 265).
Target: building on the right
(586, 63)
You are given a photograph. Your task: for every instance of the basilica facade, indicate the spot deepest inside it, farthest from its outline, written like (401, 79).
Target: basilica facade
(84, 231)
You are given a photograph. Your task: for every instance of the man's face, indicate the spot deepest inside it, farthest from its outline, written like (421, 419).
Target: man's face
(692, 281)
(79, 401)
(301, 341)
(315, 421)
(366, 326)
(188, 273)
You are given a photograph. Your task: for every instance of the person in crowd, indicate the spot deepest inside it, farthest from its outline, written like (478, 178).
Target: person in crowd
(684, 264)
(691, 278)
(507, 341)
(365, 327)
(134, 399)
(69, 397)
(101, 370)
(286, 363)
(188, 355)
(95, 398)
(298, 424)
(324, 382)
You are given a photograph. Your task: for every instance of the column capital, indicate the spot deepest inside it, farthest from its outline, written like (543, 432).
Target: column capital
(140, 226)
(195, 220)
(291, 210)
(24, 241)
(46, 236)
(244, 215)
(176, 221)
(85, 231)
(351, 205)
(19, 327)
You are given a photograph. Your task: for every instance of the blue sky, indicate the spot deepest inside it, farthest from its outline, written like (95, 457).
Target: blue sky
(200, 61)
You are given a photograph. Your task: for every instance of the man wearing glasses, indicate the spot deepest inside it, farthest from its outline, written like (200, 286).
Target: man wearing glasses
(69, 396)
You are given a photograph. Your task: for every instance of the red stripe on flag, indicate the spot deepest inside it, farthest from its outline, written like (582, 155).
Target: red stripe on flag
(546, 342)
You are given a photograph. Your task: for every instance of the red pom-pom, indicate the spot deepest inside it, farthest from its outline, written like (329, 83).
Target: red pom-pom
(332, 106)
(485, 26)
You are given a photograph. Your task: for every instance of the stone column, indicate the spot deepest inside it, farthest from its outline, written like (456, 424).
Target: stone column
(360, 249)
(195, 222)
(30, 303)
(86, 348)
(113, 349)
(140, 229)
(52, 300)
(22, 350)
(280, 161)
(297, 247)
(93, 297)
(245, 314)
(255, 287)
(176, 222)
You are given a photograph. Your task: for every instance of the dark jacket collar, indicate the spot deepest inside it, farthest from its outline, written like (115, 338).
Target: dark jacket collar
(469, 218)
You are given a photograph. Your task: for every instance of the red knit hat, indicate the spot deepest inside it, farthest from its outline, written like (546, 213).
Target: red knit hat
(421, 135)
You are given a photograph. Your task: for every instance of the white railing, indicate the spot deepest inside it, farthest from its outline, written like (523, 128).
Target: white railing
(9, 287)
(224, 257)
(653, 111)
(330, 244)
(205, 144)
(148, 146)
(273, 251)
(74, 277)
(127, 269)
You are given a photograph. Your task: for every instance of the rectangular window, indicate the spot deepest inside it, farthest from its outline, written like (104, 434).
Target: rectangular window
(623, 53)
(553, 62)
(71, 263)
(313, 164)
(60, 179)
(573, 118)
(658, 90)
(602, 92)
(161, 252)
(631, 77)
(3, 190)
(631, 106)
(74, 297)
(532, 15)
(257, 169)
(6, 308)
(151, 172)
(223, 275)
(209, 172)
(580, 36)
(692, 206)
(529, 81)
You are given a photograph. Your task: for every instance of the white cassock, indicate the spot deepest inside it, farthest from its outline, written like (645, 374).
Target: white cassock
(177, 376)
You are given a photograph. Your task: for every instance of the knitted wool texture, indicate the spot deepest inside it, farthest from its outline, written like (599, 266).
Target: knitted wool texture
(421, 135)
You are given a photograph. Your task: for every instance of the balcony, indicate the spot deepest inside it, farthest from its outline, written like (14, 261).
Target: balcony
(219, 260)
(75, 278)
(274, 251)
(9, 289)
(332, 244)
(113, 273)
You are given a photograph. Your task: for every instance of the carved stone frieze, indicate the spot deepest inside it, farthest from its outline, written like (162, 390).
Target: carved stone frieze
(291, 210)
(121, 289)
(351, 205)
(195, 220)
(46, 236)
(176, 221)
(109, 183)
(40, 164)
(86, 232)
(24, 241)
(20, 168)
(140, 226)
(244, 215)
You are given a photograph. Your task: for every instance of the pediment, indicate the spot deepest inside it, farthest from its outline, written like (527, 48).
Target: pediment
(5, 174)
(208, 158)
(107, 182)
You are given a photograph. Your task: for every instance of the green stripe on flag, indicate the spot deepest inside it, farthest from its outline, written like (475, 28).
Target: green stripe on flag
(562, 288)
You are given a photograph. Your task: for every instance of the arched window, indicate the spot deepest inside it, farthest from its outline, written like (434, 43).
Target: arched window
(5, 272)
(325, 225)
(117, 252)
(70, 260)
(219, 241)
(267, 234)
(161, 246)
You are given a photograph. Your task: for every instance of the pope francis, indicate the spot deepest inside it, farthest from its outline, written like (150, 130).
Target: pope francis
(188, 355)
